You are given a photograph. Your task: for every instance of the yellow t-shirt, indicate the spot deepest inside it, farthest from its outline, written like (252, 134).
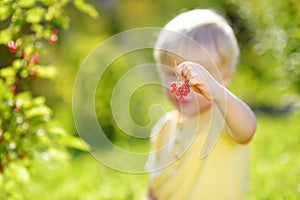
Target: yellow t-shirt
(178, 172)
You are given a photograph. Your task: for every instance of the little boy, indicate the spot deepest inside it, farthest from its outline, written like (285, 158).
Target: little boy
(202, 148)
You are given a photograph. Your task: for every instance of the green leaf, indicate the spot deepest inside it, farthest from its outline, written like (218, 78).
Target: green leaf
(39, 100)
(5, 12)
(50, 2)
(58, 155)
(18, 18)
(38, 111)
(68, 140)
(5, 36)
(25, 99)
(38, 29)
(46, 72)
(35, 15)
(75, 143)
(57, 131)
(51, 12)
(26, 3)
(17, 64)
(24, 73)
(62, 20)
(7, 72)
(86, 8)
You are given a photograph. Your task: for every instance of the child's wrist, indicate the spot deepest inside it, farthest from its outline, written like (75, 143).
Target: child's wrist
(219, 93)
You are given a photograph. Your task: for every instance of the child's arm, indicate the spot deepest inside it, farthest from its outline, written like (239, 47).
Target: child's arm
(238, 116)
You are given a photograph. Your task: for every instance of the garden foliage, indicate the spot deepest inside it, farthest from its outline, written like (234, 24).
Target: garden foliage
(28, 135)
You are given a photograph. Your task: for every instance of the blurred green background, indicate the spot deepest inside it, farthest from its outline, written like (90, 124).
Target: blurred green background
(267, 78)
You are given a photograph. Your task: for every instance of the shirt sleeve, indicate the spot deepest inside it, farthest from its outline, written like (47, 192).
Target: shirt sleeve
(156, 139)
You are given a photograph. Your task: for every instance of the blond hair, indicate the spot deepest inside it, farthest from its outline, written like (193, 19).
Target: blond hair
(201, 36)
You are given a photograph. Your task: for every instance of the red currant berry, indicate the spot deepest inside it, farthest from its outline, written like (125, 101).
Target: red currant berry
(35, 58)
(54, 31)
(181, 98)
(33, 73)
(53, 39)
(173, 90)
(12, 47)
(13, 89)
(173, 85)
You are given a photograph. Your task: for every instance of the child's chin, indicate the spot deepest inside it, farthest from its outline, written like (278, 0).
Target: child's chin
(191, 109)
(188, 110)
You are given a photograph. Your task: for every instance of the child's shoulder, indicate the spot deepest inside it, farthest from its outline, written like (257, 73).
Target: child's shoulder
(164, 122)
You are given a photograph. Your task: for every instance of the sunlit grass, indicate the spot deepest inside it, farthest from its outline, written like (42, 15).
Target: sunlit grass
(86, 178)
(275, 163)
(274, 171)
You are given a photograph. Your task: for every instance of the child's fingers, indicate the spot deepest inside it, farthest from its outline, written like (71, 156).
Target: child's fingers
(183, 69)
(195, 80)
(194, 83)
(199, 85)
(189, 70)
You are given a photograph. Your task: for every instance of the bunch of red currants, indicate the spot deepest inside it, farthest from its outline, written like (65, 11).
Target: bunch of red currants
(180, 88)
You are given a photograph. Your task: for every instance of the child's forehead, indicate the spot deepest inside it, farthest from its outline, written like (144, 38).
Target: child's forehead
(171, 60)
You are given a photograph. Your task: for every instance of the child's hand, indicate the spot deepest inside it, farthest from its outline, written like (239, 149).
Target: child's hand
(200, 80)
(240, 119)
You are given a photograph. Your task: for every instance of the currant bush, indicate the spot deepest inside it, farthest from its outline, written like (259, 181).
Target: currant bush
(27, 132)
